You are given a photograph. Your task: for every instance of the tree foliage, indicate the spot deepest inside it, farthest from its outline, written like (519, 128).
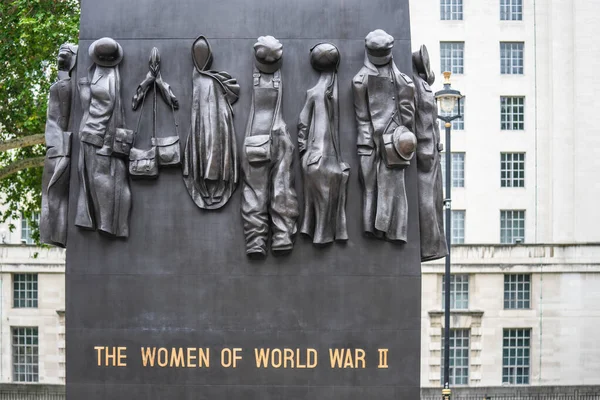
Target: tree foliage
(31, 32)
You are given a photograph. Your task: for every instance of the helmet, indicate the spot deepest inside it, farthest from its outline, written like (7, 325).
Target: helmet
(325, 57)
(405, 142)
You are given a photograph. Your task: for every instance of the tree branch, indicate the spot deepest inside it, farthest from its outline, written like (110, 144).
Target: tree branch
(20, 165)
(24, 141)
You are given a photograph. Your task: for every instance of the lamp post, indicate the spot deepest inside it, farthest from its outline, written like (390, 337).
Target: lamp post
(447, 99)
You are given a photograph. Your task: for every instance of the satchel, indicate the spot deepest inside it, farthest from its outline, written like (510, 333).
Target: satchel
(258, 148)
(168, 150)
(143, 163)
(123, 142)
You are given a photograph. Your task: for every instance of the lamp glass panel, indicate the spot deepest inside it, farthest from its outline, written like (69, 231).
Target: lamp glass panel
(447, 103)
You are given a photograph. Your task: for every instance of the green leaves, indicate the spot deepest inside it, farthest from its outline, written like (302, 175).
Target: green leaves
(30, 35)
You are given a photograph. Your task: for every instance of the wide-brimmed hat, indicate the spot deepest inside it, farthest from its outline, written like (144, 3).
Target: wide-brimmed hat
(422, 64)
(268, 53)
(379, 46)
(106, 52)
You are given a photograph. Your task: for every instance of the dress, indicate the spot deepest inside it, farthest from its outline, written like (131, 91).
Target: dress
(325, 174)
(383, 101)
(57, 166)
(210, 160)
(104, 201)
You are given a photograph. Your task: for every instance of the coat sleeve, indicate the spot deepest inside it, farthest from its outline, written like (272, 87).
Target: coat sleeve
(304, 123)
(407, 102)
(365, 141)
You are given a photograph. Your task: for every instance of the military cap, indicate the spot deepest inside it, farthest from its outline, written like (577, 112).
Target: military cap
(379, 46)
(268, 53)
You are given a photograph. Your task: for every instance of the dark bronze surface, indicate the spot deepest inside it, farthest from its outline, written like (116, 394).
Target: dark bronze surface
(383, 102)
(57, 165)
(210, 160)
(429, 168)
(183, 279)
(269, 202)
(325, 174)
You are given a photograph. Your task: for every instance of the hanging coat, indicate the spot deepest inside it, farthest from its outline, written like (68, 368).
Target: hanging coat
(210, 160)
(325, 174)
(383, 100)
(104, 201)
(57, 166)
(429, 174)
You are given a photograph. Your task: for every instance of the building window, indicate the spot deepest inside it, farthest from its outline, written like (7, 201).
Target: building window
(517, 291)
(512, 226)
(458, 227)
(512, 113)
(511, 58)
(25, 290)
(452, 57)
(515, 356)
(457, 124)
(27, 228)
(458, 169)
(459, 292)
(451, 9)
(459, 356)
(25, 354)
(511, 10)
(512, 169)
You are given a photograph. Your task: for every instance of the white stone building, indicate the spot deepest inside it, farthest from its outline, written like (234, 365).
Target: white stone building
(523, 172)
(32, 309)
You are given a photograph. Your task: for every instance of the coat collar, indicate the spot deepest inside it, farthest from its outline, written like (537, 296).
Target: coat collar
(372, 69)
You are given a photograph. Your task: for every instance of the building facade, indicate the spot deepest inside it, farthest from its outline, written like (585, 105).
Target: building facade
(32, 327)
(525, 276)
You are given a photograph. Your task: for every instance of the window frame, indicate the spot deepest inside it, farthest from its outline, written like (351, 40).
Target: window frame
(513, 9)
(508, 121)
(511, 296)
(512, 58)
(27, 229)
(453, 237)
(511, 176)
(27, 294)
(457, 68)
(458, 174)
(463, 282)
(510, 371)
(466, 361)
(448, 14)
(30, 371)
(512, 236)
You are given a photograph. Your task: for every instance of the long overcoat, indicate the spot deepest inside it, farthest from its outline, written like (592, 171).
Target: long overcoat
(429, 174)
(383, 100)
(57, 165)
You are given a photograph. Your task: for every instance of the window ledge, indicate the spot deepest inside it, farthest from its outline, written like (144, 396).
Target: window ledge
(472, 313)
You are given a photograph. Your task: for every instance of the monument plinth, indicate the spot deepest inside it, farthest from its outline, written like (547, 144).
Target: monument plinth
(178, 310)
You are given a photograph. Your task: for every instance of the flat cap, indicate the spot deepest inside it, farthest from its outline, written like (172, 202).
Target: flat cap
(379, 42)
(268, 49)
(268, 53)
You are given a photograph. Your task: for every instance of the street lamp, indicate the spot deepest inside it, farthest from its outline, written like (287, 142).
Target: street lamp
(447, 99)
